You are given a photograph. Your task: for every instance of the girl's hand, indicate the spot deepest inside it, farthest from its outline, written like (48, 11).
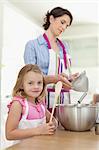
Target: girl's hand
(55, 122)
(47, 129)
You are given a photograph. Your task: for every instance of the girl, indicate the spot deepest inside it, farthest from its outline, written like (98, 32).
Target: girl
(28, 115)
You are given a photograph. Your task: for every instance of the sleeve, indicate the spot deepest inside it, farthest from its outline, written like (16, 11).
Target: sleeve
(30, 53)
(20, 100)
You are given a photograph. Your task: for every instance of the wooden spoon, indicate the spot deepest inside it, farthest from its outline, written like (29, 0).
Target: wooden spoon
(58, 87)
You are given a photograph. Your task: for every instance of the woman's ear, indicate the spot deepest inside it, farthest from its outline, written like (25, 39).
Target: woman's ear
(51, 19)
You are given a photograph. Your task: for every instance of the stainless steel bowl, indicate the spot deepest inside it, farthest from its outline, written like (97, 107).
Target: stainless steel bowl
(77, 117)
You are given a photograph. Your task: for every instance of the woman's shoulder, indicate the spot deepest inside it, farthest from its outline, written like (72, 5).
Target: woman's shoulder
(36, 41)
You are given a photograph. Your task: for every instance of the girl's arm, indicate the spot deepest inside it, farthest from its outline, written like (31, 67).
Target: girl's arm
(12, 131)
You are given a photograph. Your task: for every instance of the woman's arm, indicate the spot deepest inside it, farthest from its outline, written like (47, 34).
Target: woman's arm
(30, 53)
(61, 77)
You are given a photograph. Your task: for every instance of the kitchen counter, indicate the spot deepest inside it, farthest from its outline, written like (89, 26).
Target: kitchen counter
(61, 140)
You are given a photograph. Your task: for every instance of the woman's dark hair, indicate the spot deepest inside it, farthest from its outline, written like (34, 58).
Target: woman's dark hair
(56, 12)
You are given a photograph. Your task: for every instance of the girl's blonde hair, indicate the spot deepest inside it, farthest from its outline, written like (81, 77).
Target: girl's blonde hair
(18, 90)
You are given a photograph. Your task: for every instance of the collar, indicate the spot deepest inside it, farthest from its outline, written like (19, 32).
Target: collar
(41, 40)
(61, 44)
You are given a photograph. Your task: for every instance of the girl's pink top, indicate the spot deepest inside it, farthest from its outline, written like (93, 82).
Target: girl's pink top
(35, 110)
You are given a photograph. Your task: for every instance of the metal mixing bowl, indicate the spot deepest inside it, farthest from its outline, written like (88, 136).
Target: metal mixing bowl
(74, 117)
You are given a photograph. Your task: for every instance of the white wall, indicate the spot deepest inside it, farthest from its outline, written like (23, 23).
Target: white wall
(85, 56)
(1, 39)
(17, 30)
(78, 31)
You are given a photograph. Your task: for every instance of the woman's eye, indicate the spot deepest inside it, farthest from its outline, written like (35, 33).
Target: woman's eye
(62, 22)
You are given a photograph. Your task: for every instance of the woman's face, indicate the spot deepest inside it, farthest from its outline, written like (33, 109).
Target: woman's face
(59, 24)
(32, 84)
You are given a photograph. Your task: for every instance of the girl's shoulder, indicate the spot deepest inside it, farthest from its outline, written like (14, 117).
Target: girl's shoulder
(19, 99)
(43, 102)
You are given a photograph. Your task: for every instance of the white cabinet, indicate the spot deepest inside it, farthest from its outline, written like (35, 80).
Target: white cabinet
(84, 52)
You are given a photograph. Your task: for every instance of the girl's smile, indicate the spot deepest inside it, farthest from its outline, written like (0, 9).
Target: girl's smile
(33, 84)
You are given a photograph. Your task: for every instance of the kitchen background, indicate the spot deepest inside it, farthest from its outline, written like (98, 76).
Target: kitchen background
(21, 20)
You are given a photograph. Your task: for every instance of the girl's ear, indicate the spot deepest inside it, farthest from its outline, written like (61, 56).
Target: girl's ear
(22, 88)
(51, 19)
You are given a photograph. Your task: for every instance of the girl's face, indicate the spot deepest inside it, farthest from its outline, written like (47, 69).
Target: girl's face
(59, 24)
(33, 84)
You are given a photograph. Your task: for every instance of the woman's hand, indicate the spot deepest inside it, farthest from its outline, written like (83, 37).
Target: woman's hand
(73, 76)
(64, 79)
(60, 77)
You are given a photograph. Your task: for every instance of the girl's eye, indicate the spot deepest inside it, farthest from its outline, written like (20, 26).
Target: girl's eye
(40, 82)
(30, 83)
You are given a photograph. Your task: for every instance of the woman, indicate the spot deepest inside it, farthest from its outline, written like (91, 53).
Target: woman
(47, 51)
